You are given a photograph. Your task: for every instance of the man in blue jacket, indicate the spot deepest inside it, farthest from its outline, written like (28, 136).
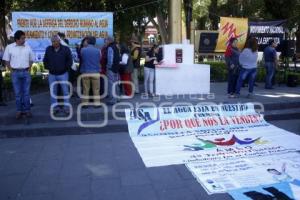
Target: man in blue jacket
(90, 68)
(270, 57)
(58, 60)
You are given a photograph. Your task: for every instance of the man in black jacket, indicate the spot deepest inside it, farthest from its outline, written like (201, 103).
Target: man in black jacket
(58, 60)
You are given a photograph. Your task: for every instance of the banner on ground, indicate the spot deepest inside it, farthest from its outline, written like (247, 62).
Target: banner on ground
(205, 133)
(231, 27)
(265, 31)
(40, 26)
(280, 191)
(224, 176)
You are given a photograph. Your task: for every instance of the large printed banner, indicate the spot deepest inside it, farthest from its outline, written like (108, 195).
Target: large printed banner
(40, 26)
(280, 191)
(210, 42)
(205, 133)
(265, 31)
(224, 176)
(232, 27)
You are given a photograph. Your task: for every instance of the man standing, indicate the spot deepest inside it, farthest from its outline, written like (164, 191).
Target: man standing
(58, 60)
(19, 59)
(270, 57)
(136, 55)
(113, 60)
(90, 68)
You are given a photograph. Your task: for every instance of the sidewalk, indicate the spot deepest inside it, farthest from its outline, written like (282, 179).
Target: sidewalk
(90, 167)
(106, 165)
(282, 103)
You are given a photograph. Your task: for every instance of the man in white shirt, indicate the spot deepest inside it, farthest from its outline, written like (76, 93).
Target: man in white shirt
(18, 58)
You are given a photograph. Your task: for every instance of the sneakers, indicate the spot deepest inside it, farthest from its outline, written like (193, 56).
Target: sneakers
(250, 96)
(18, 115)
(236, 96)
(66, 112)
(28, 114)
(231, 96)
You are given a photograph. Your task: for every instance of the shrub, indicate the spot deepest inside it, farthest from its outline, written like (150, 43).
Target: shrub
(218, 71)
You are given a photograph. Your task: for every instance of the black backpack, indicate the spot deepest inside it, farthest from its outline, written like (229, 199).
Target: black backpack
(116, 59)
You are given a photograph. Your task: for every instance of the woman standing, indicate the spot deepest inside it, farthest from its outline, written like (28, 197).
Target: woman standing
(232, 61)
(126, 68)
(149, 70)
(248, 61)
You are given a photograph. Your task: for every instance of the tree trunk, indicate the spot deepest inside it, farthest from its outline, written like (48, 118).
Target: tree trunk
(298, 40)
(162, 27)
(3, 35)
(212, 14)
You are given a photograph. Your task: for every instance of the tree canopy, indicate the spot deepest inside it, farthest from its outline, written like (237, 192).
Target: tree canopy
(132, 16)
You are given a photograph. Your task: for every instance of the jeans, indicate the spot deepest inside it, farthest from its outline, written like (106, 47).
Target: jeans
(149, 74)
(1, 87)
(113, 78)
(21, 82)
(270, 71)
(232, 81)
(244, 73)
(64, 86)
(135, 79)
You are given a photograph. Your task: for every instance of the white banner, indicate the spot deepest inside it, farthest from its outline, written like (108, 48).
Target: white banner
(226, 147)
(205, 133)
(223, 176)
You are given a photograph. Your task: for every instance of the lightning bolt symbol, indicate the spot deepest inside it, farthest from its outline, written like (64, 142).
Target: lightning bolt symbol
(231, 30)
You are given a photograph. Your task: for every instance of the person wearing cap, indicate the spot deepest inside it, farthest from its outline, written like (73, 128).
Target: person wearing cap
(58, 60)
(232, 55)
(19, 58)
(270, 58)
(136, 55)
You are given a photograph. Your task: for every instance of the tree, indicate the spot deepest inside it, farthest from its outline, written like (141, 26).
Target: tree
(290, 11)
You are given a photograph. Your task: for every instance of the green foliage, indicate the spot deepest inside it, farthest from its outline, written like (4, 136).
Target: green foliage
(218, 71)
(34, 70)
(37, 82)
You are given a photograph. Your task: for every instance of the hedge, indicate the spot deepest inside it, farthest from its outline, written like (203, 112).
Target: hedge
(218, 73)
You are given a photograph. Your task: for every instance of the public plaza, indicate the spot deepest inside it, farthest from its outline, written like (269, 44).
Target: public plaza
(190, 100)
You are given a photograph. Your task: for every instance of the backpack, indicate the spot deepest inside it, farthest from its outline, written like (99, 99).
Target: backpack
(136, 62)
(116, 59)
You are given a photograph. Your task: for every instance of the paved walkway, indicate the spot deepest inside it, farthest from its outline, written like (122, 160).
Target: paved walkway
(92, 167)
(104, 166)
(218, 94)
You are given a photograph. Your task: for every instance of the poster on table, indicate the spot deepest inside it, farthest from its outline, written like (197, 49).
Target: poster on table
(228, 175)
(40, 26)
(231, 27)
(205, 133)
